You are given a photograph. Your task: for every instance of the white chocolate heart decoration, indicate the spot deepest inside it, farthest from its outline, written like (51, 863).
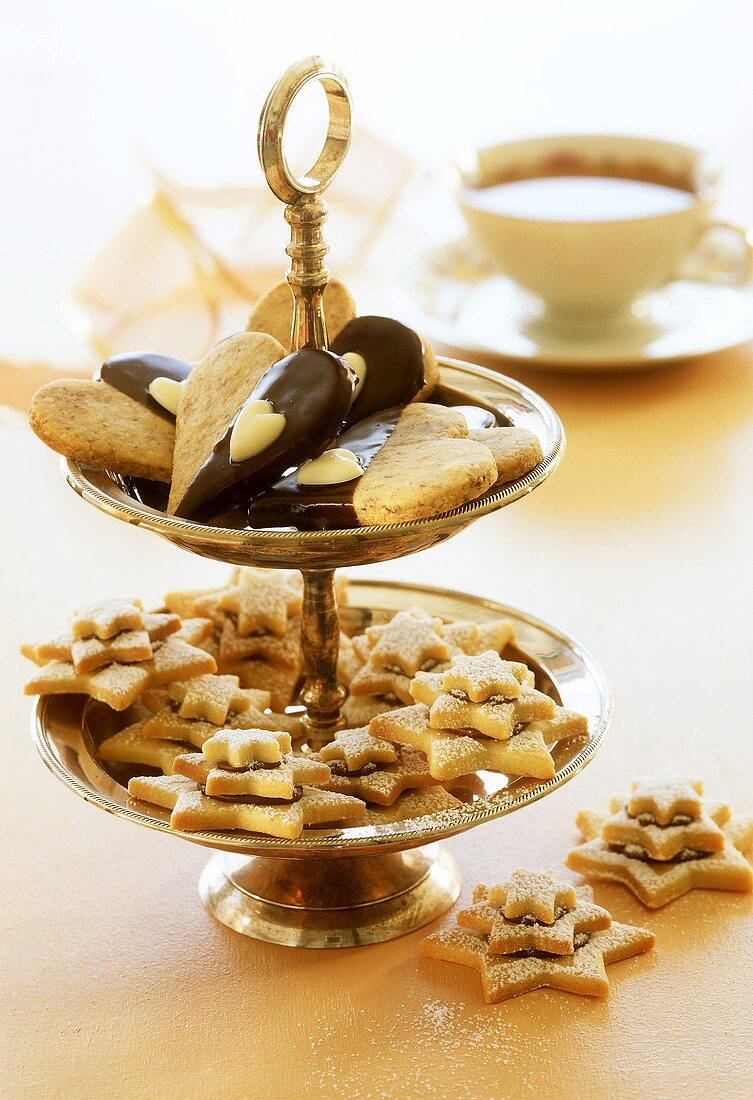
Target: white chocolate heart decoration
(334, 467)
(166, 392)
(358, 363)
(256, 427)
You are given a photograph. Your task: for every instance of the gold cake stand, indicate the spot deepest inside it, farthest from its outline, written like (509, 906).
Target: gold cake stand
(344, 887)
(341, 887)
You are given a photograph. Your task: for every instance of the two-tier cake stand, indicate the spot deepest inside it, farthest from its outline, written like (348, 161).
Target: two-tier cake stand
(350, 886)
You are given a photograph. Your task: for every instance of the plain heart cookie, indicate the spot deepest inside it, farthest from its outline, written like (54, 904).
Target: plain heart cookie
(416, 461)
(97, 425)
(273, 313)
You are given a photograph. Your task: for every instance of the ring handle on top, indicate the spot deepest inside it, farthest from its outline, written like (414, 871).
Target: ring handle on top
(305, 209)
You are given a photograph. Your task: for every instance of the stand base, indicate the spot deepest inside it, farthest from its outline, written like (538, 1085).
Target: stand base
(330, 902)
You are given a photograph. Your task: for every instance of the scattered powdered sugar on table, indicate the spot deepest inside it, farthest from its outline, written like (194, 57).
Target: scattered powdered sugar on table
(395, 1056)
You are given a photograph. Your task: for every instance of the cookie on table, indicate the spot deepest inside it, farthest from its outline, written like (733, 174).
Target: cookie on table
(532, 932)
(663, 840)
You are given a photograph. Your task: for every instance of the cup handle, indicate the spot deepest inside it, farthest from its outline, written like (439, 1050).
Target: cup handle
(723, 255)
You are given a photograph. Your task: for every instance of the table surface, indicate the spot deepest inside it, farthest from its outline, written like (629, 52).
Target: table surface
(118, 983)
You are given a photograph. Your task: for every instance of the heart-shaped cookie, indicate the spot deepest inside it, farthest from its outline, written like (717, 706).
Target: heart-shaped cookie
(296, 409)
(394, 365)
(155, 381)
(416, 461)
(211, 398)
(273, 313)
(97, 425)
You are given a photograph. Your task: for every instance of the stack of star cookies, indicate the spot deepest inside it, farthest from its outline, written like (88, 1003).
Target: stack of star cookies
(378, 665)
(532, 931)
(113, 651)
(481, 714)
(247, 779)
(396, 782)
(187, 713)
(255, 628)
(664, 839)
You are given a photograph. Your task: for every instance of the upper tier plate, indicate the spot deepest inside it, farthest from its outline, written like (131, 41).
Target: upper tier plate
(295, 549)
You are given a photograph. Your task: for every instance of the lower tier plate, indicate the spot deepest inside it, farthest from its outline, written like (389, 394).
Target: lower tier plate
(67, 735)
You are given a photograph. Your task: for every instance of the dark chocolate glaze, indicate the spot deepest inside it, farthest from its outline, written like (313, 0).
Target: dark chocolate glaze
(324, 507)
(394, 358)
(313, 390)
(133, 372)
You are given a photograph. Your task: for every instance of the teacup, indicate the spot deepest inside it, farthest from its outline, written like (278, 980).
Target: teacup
(588, 255)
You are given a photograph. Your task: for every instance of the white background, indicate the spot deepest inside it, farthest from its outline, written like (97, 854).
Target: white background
(92, 90)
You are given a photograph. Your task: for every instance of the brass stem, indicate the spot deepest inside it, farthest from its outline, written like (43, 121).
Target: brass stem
(305, 213)
(322, 694)
(308, 275)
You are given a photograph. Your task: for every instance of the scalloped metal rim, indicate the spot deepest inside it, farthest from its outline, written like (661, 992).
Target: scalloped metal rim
(513, 490)
(368, 838)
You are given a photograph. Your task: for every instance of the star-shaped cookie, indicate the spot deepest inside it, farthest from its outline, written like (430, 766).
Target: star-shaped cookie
(484, 676)
(662, 842)
(382, 783)
(263, 599)
(171, 726)
(655, 882)
(237, 748)
(420, 802)
(452, 754)
(193, 811)
(356, 747)
(496, 717)
(358, 710)
(131, 746)
(283, 650)
(213, 698)
(537, 894)
(505, 976)
(92, 653)
(508, 936)
(278, 781)
(105, 618)
(371, 679)
(408, 641)
(665, 796)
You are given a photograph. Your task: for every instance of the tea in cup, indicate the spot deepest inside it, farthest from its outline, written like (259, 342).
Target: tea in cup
(590, 223)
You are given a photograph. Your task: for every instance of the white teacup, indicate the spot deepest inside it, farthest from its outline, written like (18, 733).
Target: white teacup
(595, 268)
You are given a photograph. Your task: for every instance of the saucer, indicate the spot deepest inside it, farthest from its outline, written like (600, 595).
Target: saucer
(460, 300)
